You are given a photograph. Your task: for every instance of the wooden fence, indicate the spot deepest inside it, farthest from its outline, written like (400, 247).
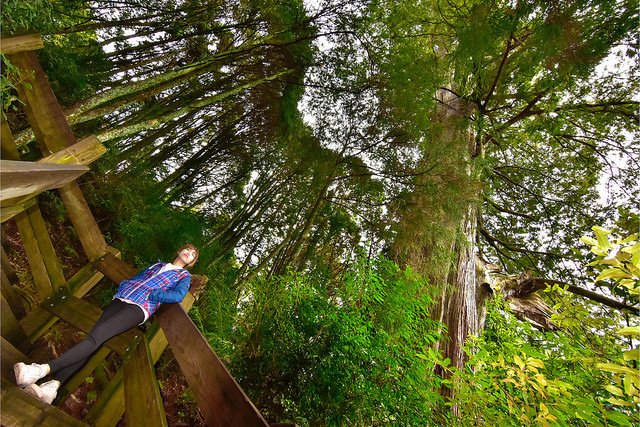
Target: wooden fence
(133, 389)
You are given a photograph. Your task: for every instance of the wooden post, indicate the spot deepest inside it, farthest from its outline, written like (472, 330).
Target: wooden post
(219, 397)
(143, 403)
(39, 320)
(10, 327)
(88, 231)
(38, 268)
(54, 269)
(10, 356)
(9, 150)
(45, 115)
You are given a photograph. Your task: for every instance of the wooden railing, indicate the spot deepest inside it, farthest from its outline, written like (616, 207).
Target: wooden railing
(133, 389)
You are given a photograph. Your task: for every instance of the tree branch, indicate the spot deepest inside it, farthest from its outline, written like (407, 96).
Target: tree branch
(537, 283)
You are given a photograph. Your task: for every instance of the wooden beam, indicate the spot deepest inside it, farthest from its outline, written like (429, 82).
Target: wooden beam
(25, 43)
(114, 268)
(8, 144)
(19, 179)
(54, 269)
(82, 315)
(10, 328)
(36, 263)
(21, 409)
(40, 320)
(219, 397)
(45, 115)
(7, 277)
(10, 356)
(83, 221)
(143, 403)
(6, 213)
(81, 153)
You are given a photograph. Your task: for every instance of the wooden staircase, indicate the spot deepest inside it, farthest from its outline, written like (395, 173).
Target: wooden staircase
(133, 389)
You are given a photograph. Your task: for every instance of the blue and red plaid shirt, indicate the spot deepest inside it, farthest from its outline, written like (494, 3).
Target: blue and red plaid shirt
(148, 289)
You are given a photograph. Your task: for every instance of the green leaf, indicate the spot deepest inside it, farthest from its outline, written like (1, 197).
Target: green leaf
(614, 390)
(611, 273)
(632, 354)
(601, 235)
(630, 330)
(616, 369)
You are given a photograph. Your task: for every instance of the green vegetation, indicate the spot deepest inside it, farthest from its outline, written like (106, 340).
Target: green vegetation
(354, 172)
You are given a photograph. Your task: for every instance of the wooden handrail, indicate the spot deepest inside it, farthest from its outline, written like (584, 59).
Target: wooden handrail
(219, 397)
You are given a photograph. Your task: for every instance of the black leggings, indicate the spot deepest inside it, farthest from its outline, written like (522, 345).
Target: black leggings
(117, 318)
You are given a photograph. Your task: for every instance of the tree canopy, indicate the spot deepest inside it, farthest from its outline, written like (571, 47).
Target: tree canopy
(378, 189)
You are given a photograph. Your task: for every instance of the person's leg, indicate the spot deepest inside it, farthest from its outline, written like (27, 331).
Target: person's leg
(116, 319)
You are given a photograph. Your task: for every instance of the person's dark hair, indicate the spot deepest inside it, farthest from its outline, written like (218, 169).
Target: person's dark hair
(189, 246)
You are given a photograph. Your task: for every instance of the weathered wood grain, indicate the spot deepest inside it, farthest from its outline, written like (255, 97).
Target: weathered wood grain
(19, 179)
(25, 43)
(82, 315)
(82, 153)
(20, 409)
(143, 403)
(36, 263)
(51, 262)
(220, 398)
(83, 221)
(114, 268)
(49, 124)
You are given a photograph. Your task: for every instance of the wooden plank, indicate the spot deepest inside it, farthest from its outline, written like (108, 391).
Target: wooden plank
(54, 269)
(8, 144)
(20, 409)
(45, 115)
(114, 268)
(73, 383)
(10, 328)
(81, 153)
(85, 225)
(18, 179)
(10, 356)
(25, 43)
(219, 397)
(6, 213)
(143, 403)
(36, 263)
(39, 320)
(109, 407)
(7, 267)
(9, 294)
(82, 315)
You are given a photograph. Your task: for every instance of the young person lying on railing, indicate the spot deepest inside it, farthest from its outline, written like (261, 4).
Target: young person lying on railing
(136, 300)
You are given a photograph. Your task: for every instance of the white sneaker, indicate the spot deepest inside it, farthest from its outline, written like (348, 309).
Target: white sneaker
(29, 374)
(45, 392)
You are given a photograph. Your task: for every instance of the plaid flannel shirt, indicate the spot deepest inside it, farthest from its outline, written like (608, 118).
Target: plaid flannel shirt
(148, 289)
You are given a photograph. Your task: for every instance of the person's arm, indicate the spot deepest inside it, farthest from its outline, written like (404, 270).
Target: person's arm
(175, 294)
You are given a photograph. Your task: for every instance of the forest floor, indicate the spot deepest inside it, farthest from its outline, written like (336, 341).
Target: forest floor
(179, 405)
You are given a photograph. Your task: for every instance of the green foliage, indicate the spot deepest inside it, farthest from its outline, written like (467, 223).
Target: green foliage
(9, 79)
(145, 228)
(32, 15)
(580, 375)
(339, 353)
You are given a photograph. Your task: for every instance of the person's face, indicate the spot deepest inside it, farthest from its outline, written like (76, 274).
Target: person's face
(187, 256)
